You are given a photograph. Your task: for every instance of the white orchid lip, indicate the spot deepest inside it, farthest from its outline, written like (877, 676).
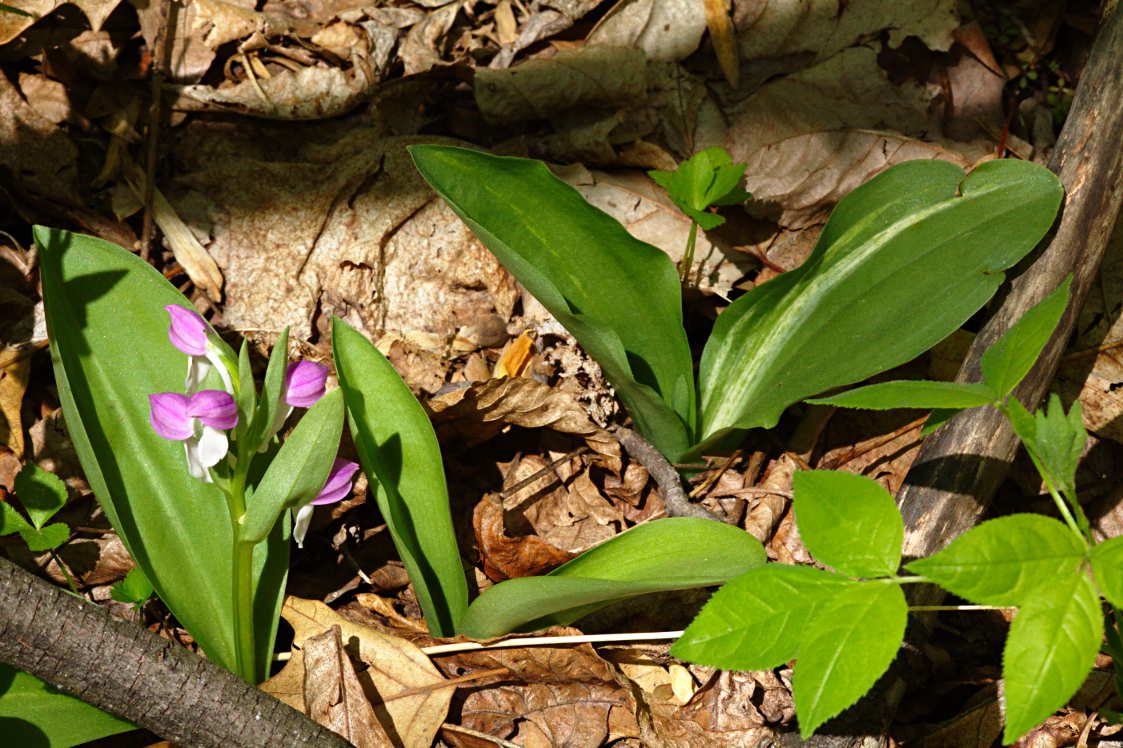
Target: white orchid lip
(337, 486)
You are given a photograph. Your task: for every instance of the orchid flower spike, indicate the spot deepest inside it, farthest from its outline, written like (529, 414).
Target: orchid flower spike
(190, 334)
(198, 420)
(336, 488)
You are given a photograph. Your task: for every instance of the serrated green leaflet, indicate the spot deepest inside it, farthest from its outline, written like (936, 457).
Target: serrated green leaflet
(36, 715)
(917, 232)
(911, 394)
(1107, 569)
(845, 649)
(618, 296)
(400, 455)
(1053, 439)
(1051, 646)
(667, 554)
(848, 522)
(1005, 561)
(1006, 362)
(757, 620)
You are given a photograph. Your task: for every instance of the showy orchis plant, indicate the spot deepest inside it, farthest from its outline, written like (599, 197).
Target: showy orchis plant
(229, 433)
(190, 470)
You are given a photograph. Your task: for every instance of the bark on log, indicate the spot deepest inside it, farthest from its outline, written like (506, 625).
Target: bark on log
(959, 468)
(127, 670)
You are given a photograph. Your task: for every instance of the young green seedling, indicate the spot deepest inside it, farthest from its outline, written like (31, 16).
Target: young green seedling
(42, 494)
(708, 178)
(134, 588)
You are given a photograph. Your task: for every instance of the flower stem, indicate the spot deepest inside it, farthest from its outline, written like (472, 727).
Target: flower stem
(242, 576)
(687, 261)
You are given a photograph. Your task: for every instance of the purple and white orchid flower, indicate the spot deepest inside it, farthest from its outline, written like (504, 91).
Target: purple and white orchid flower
(190, 335)
(200, 421)
(305, 383)
(336, 488)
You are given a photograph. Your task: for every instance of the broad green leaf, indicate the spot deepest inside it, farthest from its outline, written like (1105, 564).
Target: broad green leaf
(904, 260)
(247, 393)
(299, 470)
(41, 493)
(1053, 439)
(134, 588)
(757, 620)
(666, 554)
(1107, 569)
(911, 394)
(402, 459)
(1051, 646)
(849, 645)
(1005, 561)
(848, 522)
(36, 715)
(45, 538)
(110, 349)
(618, 296)
(1007, 362)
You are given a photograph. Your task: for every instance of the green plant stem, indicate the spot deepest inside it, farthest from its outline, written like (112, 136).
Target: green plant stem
(242, 575)
(65, 572)
(938, 608)
(687, 261)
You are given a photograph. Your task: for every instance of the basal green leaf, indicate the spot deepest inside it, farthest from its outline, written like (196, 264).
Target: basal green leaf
(911, 394)
(1051, 646)
(618, 296)
(1107, 569)
(848, 522)
(400, 455)
(36, 715)
(1007, 362)
(847, 646)
(45, 538)
(904, 260)
(757, 620)
(666, 554)
(41, 493)
(1005, 561)
(110, 349)
(299, 470)
(270, 402)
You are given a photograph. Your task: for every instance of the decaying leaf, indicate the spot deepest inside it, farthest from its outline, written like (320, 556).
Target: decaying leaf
(14, 24)
(662, 29)
(480, 410)
(394, 665)
(333, 695)
(506, 557)
(552, 696)
(15, 367)
(41, 157)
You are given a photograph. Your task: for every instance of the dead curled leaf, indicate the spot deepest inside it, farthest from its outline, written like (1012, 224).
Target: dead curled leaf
(506, 557)
(333, 695)
(481, 410)
(394, 665)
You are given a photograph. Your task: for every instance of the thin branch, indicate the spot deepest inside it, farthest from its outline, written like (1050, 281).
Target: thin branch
(670, 484)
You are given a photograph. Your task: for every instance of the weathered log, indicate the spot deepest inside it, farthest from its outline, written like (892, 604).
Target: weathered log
(960, 467)
(127, 670)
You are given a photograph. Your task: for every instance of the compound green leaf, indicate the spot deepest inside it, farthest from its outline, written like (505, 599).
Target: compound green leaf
(41, 493)
(1006, 362)
(666, 554)
(849, 645)
(904, 260)
(402, 459)
(1051, 646)
(758, 619)
(1005, 561)
(618, 296)
(41, 539)
(848, 522)
(1107, 569)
